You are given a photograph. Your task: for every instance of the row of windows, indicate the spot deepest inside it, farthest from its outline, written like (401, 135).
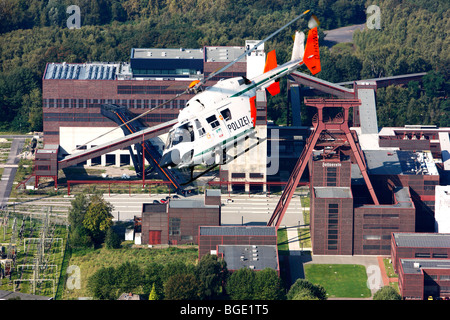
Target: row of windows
(162, 72)
(376, 237)
(333, 226)
(146, 90)
(428, 255)
(371, 226)
(129, 103)
(331, 177)
(380, 215)
(252, 175)
(98, 117)
(225, 75)
(376, 247)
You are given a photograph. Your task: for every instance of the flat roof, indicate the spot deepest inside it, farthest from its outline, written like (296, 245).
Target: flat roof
(256, 257)
(213, 192)
(415, 266)
(397, 162)
(223, 54)
(237, 231)
(164, 53)
(402, 200)
(332, 192)
(422, 240)
(189, 204)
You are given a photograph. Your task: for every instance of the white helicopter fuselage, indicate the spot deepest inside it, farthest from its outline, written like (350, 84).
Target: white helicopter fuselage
(218, 118)
(224, 114)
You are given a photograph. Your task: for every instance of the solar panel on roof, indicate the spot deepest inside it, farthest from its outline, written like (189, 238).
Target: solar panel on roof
(53, 72)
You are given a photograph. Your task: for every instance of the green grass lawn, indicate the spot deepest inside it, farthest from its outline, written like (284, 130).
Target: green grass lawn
(90, 260)
(339, 280)
(282, 241)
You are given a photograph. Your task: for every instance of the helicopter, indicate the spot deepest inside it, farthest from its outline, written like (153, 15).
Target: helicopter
(221, 116)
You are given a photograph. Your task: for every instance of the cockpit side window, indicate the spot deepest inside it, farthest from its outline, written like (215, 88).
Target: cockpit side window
(226, 114)
(212, 120)
(184, 133)
(200, 129)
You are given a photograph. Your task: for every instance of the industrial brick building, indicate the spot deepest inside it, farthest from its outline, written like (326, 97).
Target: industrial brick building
(177, 221)
(343, 219)
(253, 247)
(422, 263)
(73, 93)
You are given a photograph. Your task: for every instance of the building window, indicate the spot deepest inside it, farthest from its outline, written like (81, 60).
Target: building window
(440, 256)
(174, 226)
(421, 255)
(331, 176)
(372, 237)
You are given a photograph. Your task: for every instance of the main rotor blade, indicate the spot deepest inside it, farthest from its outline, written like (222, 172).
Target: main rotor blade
(252, 49)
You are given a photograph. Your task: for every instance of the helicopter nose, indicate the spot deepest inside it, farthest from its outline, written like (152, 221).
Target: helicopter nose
(170, 159)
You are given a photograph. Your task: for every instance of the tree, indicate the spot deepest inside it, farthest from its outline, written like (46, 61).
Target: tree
(433, 83)
(153, 295)
(240, 284)
(268, 286)
(98, 217)
(32, 109)
(174, 268)
(79, 237)
(304, 290)
(112, 239)
(387, 293)
(77, 211)
(182, 287)
(102, 284)
(212, 274)
(128, 277)
(152, 277)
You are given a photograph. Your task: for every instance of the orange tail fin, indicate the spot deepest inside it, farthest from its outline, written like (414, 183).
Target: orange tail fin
(271, 63)
(311, 58)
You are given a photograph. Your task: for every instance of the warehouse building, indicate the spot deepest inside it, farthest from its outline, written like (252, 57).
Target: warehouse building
(73, 93)
(253, 247)
(422, 263)
(177, 221)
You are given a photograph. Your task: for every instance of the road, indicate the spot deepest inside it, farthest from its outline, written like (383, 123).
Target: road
(257, 210)
(344, 34)
(10, 168)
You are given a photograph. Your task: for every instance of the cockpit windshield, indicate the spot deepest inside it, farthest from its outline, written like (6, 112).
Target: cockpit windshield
(183, 133)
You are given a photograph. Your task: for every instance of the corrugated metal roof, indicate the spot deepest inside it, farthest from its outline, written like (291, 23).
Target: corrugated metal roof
(237, 231)
(422, 240)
